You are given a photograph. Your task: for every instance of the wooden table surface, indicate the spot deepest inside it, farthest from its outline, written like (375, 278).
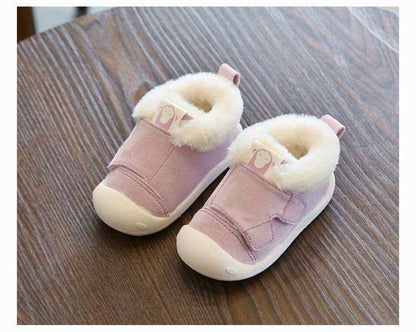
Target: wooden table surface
(77, 85)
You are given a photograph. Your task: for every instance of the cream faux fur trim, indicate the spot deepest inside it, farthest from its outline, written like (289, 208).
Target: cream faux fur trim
(309, 146)
(213, 101)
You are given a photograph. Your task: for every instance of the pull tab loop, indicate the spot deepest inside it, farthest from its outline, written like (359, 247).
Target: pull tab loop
(230, 74)
(334, 124)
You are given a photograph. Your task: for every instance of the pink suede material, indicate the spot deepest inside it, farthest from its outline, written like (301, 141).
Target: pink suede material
(253, 213)
(126, 182)
(250, 209)
(144, 150)
(281, 230)
(164, 174)
(219, 229)
(313, 197)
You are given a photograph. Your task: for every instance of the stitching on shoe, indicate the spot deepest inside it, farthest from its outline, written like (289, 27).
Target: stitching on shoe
(232, 231)
(265, 244)
(237, 235)
(132, 168)
(129, 167)
(290, 202)
(162, 163)
(243, 231)
(223, 182)
(218, 208)
(273, 188)
(262, 179)
(286, 206)
(146, 188)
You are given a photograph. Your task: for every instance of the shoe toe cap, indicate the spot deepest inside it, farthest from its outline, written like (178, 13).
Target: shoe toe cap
(119, 212)
(205, 256)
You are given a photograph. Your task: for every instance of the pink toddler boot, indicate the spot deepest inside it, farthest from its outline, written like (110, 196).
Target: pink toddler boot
(177, 148)
(281, 179)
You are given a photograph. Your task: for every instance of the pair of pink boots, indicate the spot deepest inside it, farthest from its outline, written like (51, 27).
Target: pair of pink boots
(187, 133)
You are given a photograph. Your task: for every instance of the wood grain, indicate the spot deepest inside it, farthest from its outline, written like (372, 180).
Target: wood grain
(77, 85)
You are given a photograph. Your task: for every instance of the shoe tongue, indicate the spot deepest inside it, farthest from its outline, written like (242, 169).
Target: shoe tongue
(169, 116)
(263, 158)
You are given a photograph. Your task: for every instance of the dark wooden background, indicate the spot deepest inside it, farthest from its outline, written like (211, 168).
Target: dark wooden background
(77, 85)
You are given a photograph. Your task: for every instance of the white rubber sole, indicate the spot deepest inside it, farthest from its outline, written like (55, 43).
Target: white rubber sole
(122, 214)
(205, 256)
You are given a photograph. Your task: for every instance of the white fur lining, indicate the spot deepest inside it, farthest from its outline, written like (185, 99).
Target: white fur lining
(213, 101)
(314, 150)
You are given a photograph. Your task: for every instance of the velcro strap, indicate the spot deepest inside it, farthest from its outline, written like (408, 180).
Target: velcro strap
(252, 203)
(144, 150)
(261, 235)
